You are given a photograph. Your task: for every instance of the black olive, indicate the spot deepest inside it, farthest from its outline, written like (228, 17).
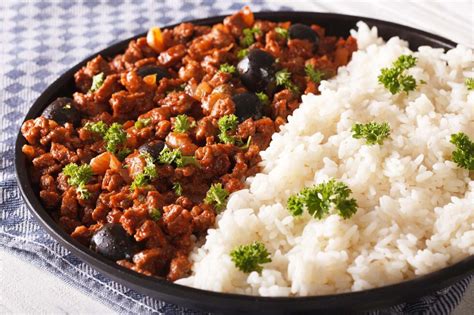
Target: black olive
(257, 71)
(301, 31)
(62, 111)
(161, 72)
(153, 148)
(247, 105)
(113, 242)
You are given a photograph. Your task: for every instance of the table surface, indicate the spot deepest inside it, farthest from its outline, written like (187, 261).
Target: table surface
(25, 288)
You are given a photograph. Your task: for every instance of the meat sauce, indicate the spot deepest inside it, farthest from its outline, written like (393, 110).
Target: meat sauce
(137, 163)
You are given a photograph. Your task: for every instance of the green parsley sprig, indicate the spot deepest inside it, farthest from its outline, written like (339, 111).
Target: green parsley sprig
(217, 196)
(315, 75)
(469, 82)
(248, 37)
(283, 78)
(227, 124)
(97, 82)
(155, 214)
(181, 123)
(250, 257)
(242, 53)
(283, 32)
(149, 173)
(320, 200)
(187, 160)
(78, 177)
(463, 156)
(263, 98)
(394, 79)
(99, 127)
(114, 136)
(227, 68)
(178, 189)
(372, 132)
(168, 156)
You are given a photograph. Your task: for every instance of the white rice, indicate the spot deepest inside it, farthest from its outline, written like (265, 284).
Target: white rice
(416, 206)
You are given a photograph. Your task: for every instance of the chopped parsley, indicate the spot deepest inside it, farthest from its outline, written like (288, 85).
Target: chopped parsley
(140, 180)
(320, 200)
(181, 123)
(463, 156)
(227, 68)
(97, 82)
(283, 78)
(168, 156)
(263, 98)
(372, 132)
(142, 122)
(149, 173)
(315, 75)
(469, 83)
(404, 62)
(394, 79)
(187, 160)
(150, 169)
(242, 53)
(77, 174)
(175, 157)
(83, 192)
(250, 257)
(226, 124)
(249, 36)
(99, 127)
(178, 189)
(283, 32)
(155, 214)
(78, 177)
(216, 196)
(114, 137)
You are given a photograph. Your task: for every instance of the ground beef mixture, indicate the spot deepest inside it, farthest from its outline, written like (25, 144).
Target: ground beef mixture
(139, 160)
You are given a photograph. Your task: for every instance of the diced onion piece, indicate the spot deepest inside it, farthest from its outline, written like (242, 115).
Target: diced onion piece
(202, 90)
(154, 39)
(114, 163)
(29, 151)
(341, 56)
(150, 79)
(101, 163)
(248, 16)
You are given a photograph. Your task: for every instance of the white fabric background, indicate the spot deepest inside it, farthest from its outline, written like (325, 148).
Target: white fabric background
(26, 289)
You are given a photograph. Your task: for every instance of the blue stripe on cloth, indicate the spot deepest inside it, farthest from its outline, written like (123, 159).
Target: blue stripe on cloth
(33, 54)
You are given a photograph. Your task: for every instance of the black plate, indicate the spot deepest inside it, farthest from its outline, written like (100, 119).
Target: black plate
(335, 24)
